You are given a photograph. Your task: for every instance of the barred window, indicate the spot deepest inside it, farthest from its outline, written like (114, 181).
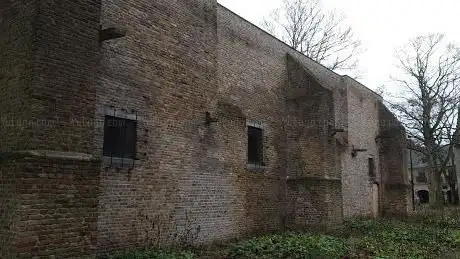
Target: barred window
(119, 137)
(255, 146)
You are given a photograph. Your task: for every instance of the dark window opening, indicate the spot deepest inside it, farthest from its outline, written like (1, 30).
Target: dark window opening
(119, 137)
(449, 197)
(255, 146)
(424, 196)
(371, 165)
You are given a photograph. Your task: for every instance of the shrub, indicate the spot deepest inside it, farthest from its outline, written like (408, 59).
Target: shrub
(290, 245)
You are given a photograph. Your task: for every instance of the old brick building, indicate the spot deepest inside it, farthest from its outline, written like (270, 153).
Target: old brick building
(194, 126)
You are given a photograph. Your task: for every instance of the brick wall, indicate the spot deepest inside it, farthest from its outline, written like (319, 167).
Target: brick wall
(254, 79)
(363, 128)
(314, 203)
(392, 142)
(52, 206)
(309, 125)
(66, 47)
(163, 72)
(256, 75)
(16, 28)
(190, 182)
(248, 34)
(49, 56)
(314, 189)
(47, 68)
(190, 175)
(8, 207)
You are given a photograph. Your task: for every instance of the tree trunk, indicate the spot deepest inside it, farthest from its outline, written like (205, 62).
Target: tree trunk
(436, 197)
(454, 180)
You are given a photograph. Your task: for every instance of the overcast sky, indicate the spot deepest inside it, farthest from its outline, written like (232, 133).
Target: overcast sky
(380, 25)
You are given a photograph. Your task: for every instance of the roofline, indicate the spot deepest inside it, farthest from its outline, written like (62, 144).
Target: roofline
(287, 45)
(282, 42)
(360, 84)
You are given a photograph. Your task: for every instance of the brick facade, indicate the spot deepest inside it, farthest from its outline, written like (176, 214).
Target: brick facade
(362, 130)
(16, 28)
(51, 205)
(190, 181)
(164, 73)
(396, 192)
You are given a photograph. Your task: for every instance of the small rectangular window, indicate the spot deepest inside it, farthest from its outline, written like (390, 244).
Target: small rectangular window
(255, 146)
(371, 166)
(421, 177)
(119, 137)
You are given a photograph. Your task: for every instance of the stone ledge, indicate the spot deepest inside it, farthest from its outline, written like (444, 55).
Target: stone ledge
(314, 178)
(47, 154)
(396, 185)
(256, 168)
(119, 163)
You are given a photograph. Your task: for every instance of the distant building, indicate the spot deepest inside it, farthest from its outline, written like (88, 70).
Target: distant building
(421, 177)
(417, 164)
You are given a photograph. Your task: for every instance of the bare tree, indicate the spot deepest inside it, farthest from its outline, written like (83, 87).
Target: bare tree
(320, 35)
(428, 102)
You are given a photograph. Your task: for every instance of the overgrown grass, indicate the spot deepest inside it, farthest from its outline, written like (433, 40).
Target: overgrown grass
(398, 239)
(414, 238)
(152, 254)
(361, 238)
(290, 245)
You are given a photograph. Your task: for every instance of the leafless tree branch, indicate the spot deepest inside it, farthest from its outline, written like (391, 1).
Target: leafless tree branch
(320, 35)
(430, 72)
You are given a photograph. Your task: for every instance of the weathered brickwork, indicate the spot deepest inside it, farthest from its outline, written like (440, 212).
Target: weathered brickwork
(8, 207)
(48, 58)
(53, 209)
(310, 121)
(363, 129)
(66, 47)
(164, 73)
(395, 188)
(190, 182)
(314, 203)
(47, 73)
(252, 62)
(315, 197)
(16, 30)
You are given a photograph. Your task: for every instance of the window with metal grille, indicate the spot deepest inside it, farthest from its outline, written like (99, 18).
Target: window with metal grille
(371, 165)
(119, 137)
(255, 146)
